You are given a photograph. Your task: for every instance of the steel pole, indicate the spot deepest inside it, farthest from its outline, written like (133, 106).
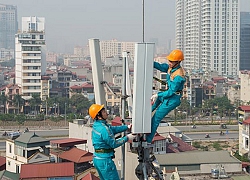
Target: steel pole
(123, 109)
(65, 114)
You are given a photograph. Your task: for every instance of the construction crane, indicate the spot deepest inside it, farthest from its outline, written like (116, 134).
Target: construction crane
(140, 108)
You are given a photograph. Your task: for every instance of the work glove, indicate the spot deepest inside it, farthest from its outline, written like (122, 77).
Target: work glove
(154, 97)
(129, 126)
(130, 136)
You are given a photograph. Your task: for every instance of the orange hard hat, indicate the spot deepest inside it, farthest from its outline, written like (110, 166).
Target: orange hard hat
(94, 109)
(176, 55)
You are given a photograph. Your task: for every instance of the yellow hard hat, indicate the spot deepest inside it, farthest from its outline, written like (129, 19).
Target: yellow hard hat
(176, 55)
(94, 109)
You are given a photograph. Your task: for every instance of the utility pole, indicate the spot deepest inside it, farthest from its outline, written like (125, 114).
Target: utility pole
(123, 109)
(65, 114)
(58, 110)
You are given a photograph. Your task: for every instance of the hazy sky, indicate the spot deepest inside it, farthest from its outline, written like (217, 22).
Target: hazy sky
(72, 22)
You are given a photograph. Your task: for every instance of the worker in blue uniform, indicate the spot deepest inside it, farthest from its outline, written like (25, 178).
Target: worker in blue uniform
(166, 101)
(104, 142)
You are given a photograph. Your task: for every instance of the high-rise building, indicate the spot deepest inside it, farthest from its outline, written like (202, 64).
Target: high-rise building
(30, 56)
(208, 33)
(8, 26)
(115, 48)
(245, 41)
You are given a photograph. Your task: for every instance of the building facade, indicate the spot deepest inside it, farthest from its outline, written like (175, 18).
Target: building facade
(208, 33)
(244, 86)
(245, 41)
(115, 48)
(8, 26)
(30, 56)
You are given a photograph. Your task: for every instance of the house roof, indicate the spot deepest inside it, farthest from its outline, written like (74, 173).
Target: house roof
(76, 155)
(2, 161)
(196, 157)
(158, 137)
(182, 146)
(171, 149)
(8, 175)
(117, 121)
(29, 138)
(46, 170)
(245, 108)
(90, 176)
(68, 142)
(75, 87)
(247, 121)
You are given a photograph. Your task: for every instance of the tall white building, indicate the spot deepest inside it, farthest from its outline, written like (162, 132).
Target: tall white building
(115, 48)
(208, 33)
(30, 55)
(8, 26)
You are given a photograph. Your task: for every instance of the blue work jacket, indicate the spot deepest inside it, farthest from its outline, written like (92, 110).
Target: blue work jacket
(103, 137)
(174, 85)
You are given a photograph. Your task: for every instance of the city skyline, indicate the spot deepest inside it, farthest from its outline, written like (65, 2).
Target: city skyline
(70, 24)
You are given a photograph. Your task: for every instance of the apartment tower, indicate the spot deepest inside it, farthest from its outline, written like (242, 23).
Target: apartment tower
(245, 41)
(30, 55)
(115, 48)
(208, 33)
(8, 26)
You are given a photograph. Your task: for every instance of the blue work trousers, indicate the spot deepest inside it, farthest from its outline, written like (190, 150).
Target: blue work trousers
(162, 109)
(106, 168)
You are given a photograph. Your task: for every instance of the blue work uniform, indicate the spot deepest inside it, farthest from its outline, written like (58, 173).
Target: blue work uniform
(104, 142)
(169, 99)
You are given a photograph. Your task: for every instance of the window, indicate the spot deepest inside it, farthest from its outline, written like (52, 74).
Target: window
(10, 148)
(17, 169)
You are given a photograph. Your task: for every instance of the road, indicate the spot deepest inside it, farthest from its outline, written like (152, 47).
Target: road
(203, 128)
(213, 136)
(49, 133)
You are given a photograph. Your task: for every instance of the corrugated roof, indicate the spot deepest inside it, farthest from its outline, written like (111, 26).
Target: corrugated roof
(68, 142)
(47, 170)
(245, 108)
(2, 160)
(196, 157)
(77, 155)
(243, 177)
(158, 137)
(8, 175)
(90, 176)
(182, 146)
(247, 121)
(30, 137)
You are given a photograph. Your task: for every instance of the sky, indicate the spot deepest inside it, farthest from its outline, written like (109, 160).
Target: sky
(69, 23)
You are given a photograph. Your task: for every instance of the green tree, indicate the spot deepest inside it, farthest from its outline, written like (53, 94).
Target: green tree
(184, 106)
(20, 118)
(35, 101)
(3, 100)
(18, 101)
(80, 103)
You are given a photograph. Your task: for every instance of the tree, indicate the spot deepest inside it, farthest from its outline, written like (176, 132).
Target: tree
(35, 101)
(3, 100)
(18, 101)
(80, 103)
(184, 106)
